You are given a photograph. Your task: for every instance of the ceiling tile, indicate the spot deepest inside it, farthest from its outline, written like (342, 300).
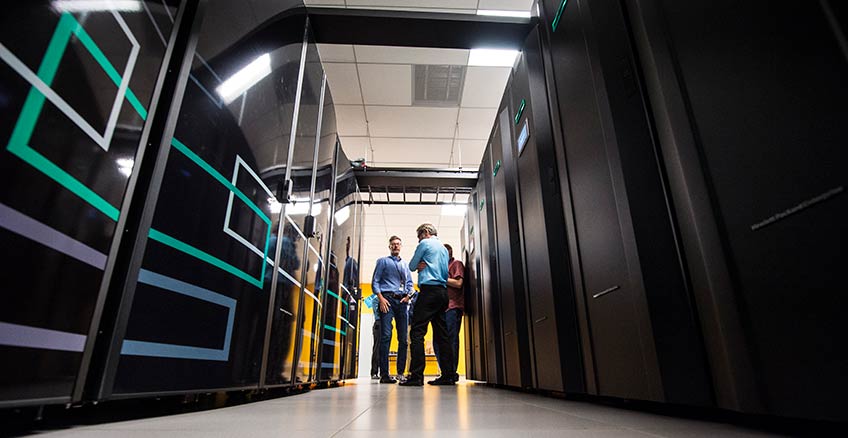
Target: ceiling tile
(336, 52)
(344, 83)
(450, 4)
(504, 5)
(409, 210)
(350, 120)
(476, 123)
(416, 122)
(410, 55)
(356, 147)
(410, 151)
(484, 86)
(384, 84)
(470, 152)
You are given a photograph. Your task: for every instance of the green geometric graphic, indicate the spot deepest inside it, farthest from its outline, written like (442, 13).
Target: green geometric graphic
(22, 134)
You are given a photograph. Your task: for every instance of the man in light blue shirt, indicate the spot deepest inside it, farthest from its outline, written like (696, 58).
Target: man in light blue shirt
(431, 261)
(392, 283)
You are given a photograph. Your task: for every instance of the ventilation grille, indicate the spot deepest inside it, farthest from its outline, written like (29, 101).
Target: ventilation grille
(437, 85)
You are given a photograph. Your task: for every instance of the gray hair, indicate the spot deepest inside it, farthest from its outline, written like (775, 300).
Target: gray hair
(429, 228)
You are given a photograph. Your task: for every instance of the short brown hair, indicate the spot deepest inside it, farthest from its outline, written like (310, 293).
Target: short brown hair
(393, 238)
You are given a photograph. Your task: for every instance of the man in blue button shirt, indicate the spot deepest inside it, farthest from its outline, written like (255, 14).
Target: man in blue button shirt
(392, 282)
(431, 260)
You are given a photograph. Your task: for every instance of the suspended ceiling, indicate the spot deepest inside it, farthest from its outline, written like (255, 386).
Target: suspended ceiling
(372, 88)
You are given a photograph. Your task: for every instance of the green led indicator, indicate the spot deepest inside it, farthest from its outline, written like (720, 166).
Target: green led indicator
(558, 15)
(497, 168)
(482, 203)
(520, 111)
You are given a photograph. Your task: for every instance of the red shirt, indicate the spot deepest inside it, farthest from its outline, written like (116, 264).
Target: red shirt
(456, 270)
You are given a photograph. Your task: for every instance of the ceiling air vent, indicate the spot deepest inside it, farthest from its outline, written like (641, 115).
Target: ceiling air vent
(437, 85)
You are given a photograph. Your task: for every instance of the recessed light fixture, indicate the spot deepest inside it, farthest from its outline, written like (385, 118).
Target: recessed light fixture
(492, 57)
(245, 78)
(342, 215)
(500, 13)
(453, 209)
(275, 206)
(301, 206)
(96, 5)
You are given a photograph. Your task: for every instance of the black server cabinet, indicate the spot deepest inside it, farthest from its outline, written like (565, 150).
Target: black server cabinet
(554, 338)
(646, 337)
(474, 329)
(763, 93)
(507, 235)
(624, 358)
(76, 90)
(490, 291)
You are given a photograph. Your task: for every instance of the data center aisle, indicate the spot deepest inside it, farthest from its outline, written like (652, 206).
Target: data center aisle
(364, 408)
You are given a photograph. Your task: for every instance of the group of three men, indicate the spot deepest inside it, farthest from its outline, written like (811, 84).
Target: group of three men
(440, 303)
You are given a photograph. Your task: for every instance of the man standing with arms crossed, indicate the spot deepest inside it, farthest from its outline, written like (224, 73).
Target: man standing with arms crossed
(456, 306)
(392, 282)
(431, 260)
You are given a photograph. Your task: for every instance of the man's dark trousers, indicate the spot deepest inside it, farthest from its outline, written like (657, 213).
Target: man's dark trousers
(375, 349)
(397, 311)
(453, 319)
(430, 308)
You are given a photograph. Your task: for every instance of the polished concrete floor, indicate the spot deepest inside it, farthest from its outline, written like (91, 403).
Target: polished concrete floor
(364, 408)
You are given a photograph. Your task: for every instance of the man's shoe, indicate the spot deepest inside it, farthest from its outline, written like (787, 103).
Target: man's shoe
(412, 382)
(375, 377)
(388, 379)
(442, 381)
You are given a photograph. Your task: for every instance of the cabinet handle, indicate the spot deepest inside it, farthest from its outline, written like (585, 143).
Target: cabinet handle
(606, 291)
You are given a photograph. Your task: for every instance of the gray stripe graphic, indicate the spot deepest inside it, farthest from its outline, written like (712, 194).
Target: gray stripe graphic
(30, 228)
(34, 337)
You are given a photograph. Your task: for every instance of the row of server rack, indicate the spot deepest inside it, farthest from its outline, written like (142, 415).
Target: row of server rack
(660, 213)
(176, 213)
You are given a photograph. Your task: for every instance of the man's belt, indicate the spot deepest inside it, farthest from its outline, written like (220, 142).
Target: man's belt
(398, 295)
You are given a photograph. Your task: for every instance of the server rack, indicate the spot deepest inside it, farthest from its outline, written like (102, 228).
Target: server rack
(508, 235)
(175, 307)
(751, 135)
(475, 341)
(551, 304)
(490, 290)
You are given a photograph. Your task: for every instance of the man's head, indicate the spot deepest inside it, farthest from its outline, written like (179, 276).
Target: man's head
(450, 251)
(394, 245)
(426, 231)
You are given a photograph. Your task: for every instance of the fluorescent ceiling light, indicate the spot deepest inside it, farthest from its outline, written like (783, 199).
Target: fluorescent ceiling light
(301, 207)
(276, 207)
(492, 57)
(342, 215)
(97, 5)
(245, 78)
(125, 165)
(500, 13)
(453, 209)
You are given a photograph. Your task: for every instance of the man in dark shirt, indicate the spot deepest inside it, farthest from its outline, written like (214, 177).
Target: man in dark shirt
(392, 283)
(456, 305)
